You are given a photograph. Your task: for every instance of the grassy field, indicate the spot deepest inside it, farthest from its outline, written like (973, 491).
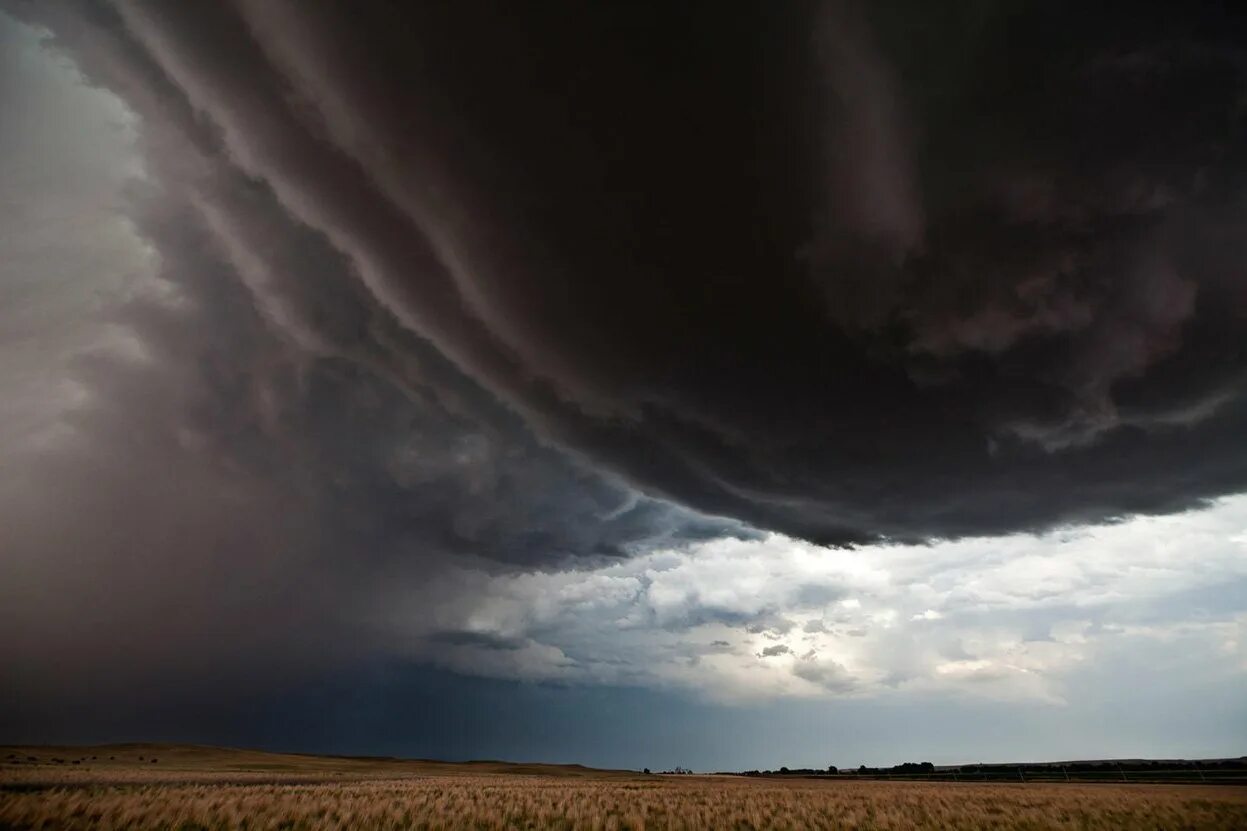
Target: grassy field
(203, 788)
(154, 763)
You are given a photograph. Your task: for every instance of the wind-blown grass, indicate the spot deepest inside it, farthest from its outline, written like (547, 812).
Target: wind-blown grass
(536, 802)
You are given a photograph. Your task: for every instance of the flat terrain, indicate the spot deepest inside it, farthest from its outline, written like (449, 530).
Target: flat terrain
(207, 788)
(157, 763)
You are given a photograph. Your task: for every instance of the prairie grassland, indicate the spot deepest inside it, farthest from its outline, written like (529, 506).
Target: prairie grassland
(537, 802)
(149, 763)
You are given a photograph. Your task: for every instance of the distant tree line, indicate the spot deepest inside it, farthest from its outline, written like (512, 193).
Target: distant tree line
(784, 771)
(832, 770)
(1088, 767)
(1110, 765)
(904, 767)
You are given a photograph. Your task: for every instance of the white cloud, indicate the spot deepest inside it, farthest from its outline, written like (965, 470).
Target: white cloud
(1006, 618)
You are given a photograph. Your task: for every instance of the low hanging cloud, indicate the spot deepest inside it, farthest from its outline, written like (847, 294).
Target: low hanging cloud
(872, 292)
(551, 345)
(218, 436)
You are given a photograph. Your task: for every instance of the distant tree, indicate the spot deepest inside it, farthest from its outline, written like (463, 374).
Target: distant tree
(783, 770)
(647, 770)
(832, 769)
(913, 767)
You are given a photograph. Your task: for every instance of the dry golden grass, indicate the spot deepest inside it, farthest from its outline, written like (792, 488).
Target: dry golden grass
(176, 762)
(408, 797)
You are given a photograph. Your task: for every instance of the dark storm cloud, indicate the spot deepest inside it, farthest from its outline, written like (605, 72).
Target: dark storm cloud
(846, 272)
(460, 304)
(464, 281)
(271, 447)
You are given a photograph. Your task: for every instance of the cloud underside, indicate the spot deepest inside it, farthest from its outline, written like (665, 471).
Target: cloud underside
(830, 298)
(518, 343)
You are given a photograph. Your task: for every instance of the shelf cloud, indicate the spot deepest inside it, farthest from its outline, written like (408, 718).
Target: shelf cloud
(346, 305)
(763, 263)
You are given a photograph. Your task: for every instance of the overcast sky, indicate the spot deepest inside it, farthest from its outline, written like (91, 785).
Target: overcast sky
(724, 386)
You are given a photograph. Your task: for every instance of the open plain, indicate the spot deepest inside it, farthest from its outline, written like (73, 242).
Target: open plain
(187, 788)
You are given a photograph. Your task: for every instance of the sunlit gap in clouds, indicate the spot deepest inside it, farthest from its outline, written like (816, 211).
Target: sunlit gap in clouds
(1009, 618)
